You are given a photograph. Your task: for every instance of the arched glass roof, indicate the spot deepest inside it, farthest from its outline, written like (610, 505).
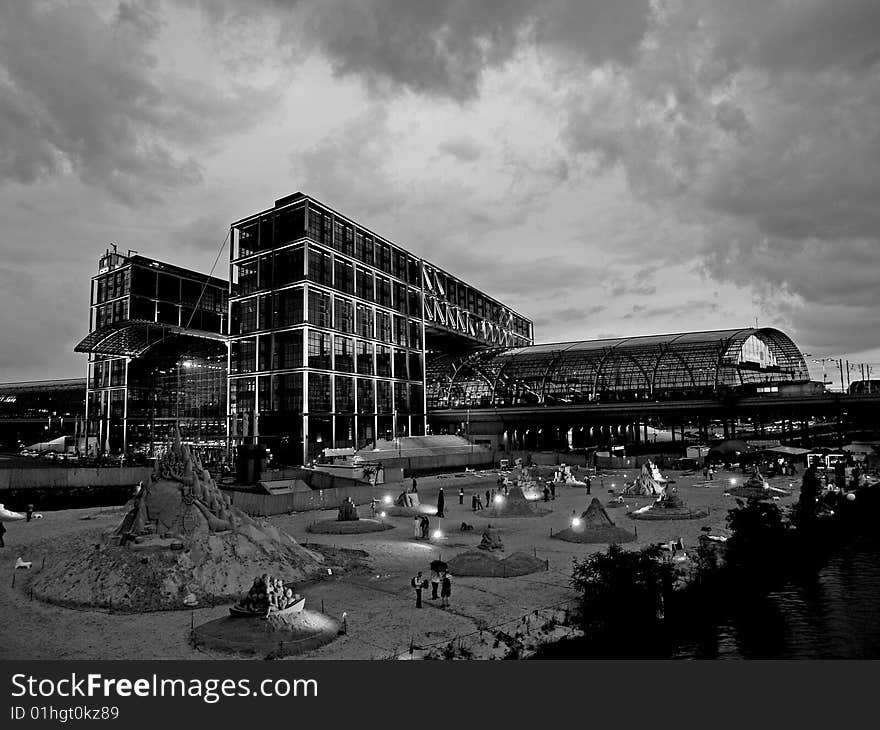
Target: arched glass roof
(656, 367)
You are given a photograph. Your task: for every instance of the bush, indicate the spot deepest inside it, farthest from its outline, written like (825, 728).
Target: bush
(622, 590)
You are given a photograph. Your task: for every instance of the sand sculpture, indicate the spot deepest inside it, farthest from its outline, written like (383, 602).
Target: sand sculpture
(181, 542)
(756, 487)
(513, 505)
(649, 483)
(669, 507)
(490, 540)
(268, 595)
(595, 526)
(347, 511)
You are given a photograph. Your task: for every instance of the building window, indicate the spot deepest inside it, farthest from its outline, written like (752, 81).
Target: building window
(319, 392)
(383, 257)
(384, 402)
(344, 394)
(365, 398)
(244, 316)
(415, 335)
(247, 278)
(383, 326)
(319, 350)
(383, 361)
(365, 284)
(383, 291)
(343, 311)
(288, 306)
(287, 350)
(287, 393)
(319, 309)
(365, 321)
(344, 276)
(290, 225)
(401, 398)
(243, 356)
(244, 395)
(320, 267)
(343, 353)
(415, 366)
(363, 248)
(247, 240)
(289, 266)
(400, 330)
(364, 357)
(400, 364)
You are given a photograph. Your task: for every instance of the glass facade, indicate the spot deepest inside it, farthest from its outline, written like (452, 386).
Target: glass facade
(342, 313)
(157, 357)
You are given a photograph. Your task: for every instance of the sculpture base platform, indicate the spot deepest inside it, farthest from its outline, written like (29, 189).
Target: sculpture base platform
(287, 636)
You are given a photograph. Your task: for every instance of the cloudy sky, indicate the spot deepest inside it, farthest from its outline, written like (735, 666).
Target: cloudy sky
(606, 167)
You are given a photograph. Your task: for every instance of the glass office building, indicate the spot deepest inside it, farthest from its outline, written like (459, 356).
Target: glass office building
(157, 357)
(330, 325)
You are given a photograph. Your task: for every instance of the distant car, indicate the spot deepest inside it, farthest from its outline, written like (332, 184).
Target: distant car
(72, 457)
(36, 454)
(50, 455)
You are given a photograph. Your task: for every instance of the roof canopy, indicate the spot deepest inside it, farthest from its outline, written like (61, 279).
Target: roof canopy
(657, 366)
(131, 338)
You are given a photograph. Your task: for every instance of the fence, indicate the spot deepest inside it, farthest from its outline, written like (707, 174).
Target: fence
(264, 505)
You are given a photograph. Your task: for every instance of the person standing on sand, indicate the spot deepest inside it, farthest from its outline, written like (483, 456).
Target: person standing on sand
(435, 584)
(2, 533)
(441, 503)
(589, 484)
(445, 590)
(415, 486)
(461, 495)
(417, 527)
(474, 503)
(418, 583)
(488, 498)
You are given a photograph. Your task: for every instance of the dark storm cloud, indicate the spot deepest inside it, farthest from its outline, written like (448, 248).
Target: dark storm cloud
(82, 93)
(445, 48)
(756, 121)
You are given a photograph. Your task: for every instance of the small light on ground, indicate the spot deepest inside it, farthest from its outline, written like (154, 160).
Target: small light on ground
(576, 522)
(382, 514)
(498, 499)
(438, 534)
(387, 499)
(733, 481)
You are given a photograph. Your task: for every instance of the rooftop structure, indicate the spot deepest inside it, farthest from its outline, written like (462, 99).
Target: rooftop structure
(656, 367)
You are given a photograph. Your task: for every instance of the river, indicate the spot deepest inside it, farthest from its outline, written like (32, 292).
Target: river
(830, 611)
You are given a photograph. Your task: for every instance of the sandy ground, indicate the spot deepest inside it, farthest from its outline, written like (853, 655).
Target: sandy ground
(379, 605)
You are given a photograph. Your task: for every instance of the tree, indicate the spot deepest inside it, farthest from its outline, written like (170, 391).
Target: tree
(622, 591)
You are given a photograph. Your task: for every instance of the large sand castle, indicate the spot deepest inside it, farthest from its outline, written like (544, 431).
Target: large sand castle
(181, 543)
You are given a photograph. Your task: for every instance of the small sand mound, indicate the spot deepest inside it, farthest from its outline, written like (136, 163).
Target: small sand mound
(277, 635)
(595, 527)
(514, 505)
(483, 564)
(348, 527)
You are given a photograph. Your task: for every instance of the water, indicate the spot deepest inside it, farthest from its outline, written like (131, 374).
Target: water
(830, 611)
